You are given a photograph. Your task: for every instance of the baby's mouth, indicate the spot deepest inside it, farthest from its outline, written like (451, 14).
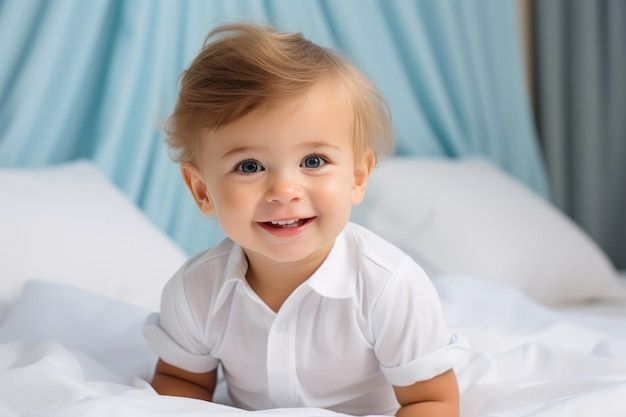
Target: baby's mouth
(287, 224)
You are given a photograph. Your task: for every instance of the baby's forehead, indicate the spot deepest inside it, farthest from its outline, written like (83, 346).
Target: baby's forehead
(321, 115)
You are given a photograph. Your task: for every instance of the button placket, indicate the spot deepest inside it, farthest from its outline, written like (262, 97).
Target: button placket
(281, 356)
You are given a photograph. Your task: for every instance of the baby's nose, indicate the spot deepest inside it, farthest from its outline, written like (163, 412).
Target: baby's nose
(284, 188)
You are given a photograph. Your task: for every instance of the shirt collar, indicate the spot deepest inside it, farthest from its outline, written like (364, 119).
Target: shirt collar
(335, 278)
(234, 275)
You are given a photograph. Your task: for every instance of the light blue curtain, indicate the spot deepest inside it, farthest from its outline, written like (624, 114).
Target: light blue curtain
(95, 79)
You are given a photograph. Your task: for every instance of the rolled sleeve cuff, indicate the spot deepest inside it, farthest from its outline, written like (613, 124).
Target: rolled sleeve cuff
(428, 366)
(171, 352)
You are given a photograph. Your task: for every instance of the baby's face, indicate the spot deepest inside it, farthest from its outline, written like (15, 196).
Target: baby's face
(282, 183)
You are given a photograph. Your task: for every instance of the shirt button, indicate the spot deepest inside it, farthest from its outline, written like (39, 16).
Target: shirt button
(282, 326)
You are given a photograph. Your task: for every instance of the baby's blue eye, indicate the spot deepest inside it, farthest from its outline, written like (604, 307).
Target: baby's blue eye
(313, 161)
(249, 167)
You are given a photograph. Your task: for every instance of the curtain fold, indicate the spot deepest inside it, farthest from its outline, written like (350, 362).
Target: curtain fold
(95, 79)
(580, 73)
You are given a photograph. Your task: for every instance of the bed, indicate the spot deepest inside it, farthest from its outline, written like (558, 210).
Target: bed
(82, 267)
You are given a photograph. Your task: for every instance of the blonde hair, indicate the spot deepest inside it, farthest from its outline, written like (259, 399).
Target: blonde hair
(244, 68)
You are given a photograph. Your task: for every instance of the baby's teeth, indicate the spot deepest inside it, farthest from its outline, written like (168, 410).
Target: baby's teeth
(284, 222)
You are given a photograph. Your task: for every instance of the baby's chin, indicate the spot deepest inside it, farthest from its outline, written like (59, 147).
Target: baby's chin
(290, 254)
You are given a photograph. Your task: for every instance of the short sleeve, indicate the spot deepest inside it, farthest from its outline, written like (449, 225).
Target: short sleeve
(175, 334)
(412, 340)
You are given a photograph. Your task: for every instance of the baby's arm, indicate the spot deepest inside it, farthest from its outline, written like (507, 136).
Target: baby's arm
(170, 380)
(438, 397)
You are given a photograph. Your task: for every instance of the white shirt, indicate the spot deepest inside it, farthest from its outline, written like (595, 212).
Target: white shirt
(367, 319)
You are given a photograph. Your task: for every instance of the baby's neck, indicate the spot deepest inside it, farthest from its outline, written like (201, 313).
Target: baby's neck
(274, 281)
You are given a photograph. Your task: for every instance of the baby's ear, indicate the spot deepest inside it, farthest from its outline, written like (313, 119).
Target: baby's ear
(362, 169)
(195, 182)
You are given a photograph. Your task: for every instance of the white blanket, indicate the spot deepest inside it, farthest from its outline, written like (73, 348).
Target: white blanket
(526, 360)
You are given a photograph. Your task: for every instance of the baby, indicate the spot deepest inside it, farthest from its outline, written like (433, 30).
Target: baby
(276, 137)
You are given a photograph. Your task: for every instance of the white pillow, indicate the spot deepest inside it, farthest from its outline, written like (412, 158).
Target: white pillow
(69, 224)
(468, 216)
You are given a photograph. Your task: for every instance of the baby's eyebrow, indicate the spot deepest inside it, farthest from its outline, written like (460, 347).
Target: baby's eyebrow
(318, 144)
(306, 145)
(240, 150)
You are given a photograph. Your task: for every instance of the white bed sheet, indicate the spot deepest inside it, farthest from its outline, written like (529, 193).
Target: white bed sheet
(81, 354)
